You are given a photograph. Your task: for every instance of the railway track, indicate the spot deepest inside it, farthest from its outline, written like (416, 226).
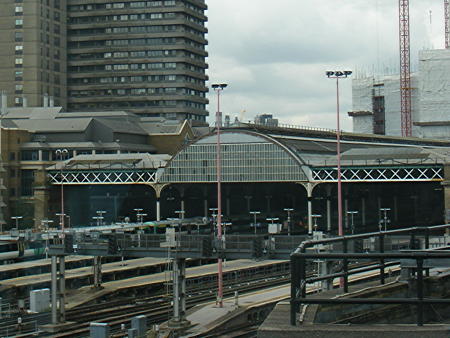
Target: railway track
(158, 308)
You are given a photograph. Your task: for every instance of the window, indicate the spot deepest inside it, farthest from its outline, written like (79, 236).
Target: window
(18, 61)
(18, 101)
(19, 88)
(18, 10)
(118, 5)
(18, 36)
(18, 75)
(169, 3)
(19, 23)
(12, 155)
(139, 4)
(26, 182)
(29, 155)
(19, 49)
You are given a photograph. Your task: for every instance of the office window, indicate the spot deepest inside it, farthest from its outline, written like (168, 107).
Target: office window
(169, 3)
(18, 75)
(18, 10)
(19, 87)
(19, 61)
(19, 23)
(138, 4)
(26, 182)
(18, 36)
(18, 49)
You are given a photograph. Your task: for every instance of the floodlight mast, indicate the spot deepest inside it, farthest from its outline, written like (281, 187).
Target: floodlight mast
(218, 88)
(337, 75)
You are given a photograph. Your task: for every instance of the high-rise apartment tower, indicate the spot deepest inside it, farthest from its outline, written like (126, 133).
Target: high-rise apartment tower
(147, 57)
(33, 51)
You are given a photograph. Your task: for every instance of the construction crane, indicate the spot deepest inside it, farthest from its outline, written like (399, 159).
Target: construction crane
(446, 17)
(405, 68)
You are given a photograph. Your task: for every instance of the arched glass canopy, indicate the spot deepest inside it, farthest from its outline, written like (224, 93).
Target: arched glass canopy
(246, 157)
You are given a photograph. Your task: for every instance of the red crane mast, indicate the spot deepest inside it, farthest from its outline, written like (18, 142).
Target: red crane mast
(405, 68)
(447, 17)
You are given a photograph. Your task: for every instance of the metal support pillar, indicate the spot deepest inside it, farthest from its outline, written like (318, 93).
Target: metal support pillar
(309, 190)
(158, 209)
(58, 285)
(54, 291)
(179, 293)
(363, 211)
(396, 208)
(345, 212)
(62, 289)
(182, 207)
(97, 266)
(328, 189)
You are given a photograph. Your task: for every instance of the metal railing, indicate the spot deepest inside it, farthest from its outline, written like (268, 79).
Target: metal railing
(414, 236)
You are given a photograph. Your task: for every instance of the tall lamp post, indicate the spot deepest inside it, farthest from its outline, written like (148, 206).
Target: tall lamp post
(61, 154)
(337, 75)
(218, 88)
(385, 218)
(352, 214)
(254, 213)
(289, 210)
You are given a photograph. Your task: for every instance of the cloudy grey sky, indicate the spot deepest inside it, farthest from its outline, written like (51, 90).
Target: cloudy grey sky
(274, 54)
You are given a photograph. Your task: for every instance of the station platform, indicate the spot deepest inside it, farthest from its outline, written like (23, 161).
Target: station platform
(78, 277)
(38, 266)
(211, 320)
(147, 284)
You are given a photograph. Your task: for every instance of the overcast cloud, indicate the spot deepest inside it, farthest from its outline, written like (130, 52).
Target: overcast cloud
(274, 54)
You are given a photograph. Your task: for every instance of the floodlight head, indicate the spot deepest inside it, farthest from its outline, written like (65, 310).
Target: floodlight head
(219, 85)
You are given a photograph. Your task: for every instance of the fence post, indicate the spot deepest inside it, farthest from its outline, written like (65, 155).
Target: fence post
(420, 291)
(345, 263)
(382, 266)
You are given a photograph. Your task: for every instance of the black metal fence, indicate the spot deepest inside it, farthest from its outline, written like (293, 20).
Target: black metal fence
(412, 236)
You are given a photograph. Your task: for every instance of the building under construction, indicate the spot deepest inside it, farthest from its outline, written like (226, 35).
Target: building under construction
(376, 104)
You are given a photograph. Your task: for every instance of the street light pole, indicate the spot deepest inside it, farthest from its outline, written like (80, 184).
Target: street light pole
(385, 219)
(218, 88)
(289, 210)
(352, 213)
(337, 75)
(254, 213)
